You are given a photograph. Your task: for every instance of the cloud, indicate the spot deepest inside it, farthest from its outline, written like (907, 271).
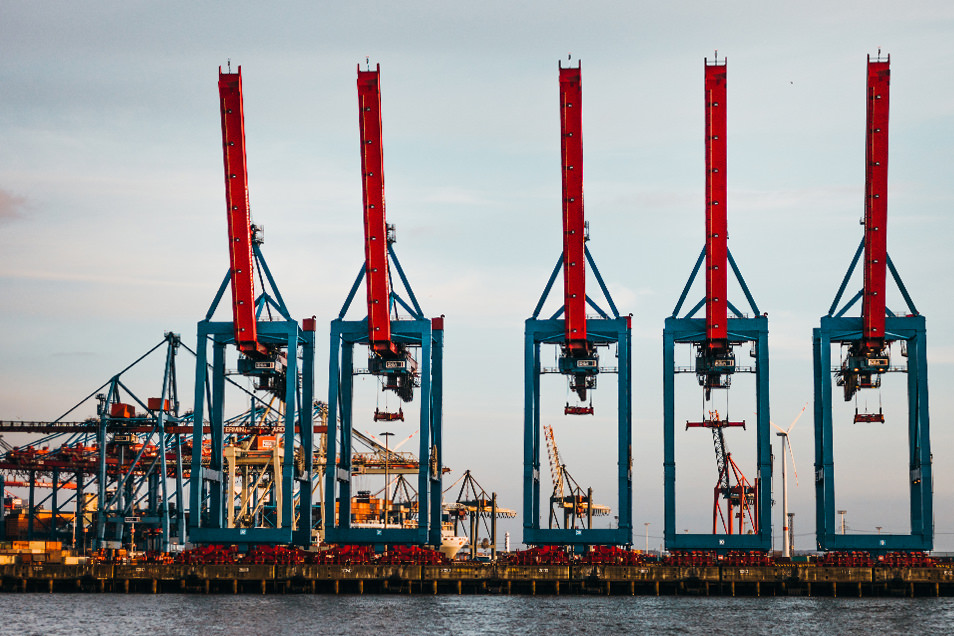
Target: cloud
(11, 206)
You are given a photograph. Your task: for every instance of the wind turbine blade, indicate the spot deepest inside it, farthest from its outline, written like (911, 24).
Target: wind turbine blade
(402, 443)
(788, 443)
(792, 425)
(780, 429)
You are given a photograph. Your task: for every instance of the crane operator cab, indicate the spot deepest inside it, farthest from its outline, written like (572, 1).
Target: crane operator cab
(862, 367)
(268, 369)
(582, 365)
(397, 368)
(715, 364)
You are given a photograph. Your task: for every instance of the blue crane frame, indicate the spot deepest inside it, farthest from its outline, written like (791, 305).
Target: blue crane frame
(208, 484)
(741, 329)
(835, 328)
(602, 330)
(122, 493)
(418, 331)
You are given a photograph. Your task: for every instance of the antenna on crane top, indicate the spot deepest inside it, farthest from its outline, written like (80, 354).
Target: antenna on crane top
(367, 62)
(228, 64)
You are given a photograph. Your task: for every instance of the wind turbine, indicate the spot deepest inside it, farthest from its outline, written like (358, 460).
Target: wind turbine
(786, 531)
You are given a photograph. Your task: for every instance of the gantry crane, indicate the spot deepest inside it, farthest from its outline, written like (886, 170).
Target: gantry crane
(273, 350)
(404, 353)
(123, 467)
(577, 339)
(732, 488)
(475, 502)
(714, 340)
(867, 345)
(569, 498)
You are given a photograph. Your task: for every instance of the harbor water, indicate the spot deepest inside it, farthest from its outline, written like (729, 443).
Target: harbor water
(174, 614)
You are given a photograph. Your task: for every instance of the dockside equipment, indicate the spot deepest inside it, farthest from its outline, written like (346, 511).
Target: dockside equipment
(868, 345)
(403, 353)
(274, 351)
(578, 339)
(741, 516)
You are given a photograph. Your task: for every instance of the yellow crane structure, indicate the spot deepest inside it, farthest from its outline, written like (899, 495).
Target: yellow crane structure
(575, 504)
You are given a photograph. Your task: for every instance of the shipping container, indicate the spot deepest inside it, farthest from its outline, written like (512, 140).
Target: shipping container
(156, 404)
(118, 409)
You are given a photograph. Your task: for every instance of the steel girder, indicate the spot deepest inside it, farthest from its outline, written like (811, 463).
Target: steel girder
(601, 331)
(837, 330)
(345, 334)
(209, 494)
(740, 331)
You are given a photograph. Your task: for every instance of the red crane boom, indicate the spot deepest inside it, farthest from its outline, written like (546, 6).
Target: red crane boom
(239, 217)
(868, 357)
(574, 232)
(375, 224)
(715, 362)
(578, 358)
(391, 360)
(876, 205)
(716, 216)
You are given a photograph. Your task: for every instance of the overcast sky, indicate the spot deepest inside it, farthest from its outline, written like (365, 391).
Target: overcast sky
(112, 224)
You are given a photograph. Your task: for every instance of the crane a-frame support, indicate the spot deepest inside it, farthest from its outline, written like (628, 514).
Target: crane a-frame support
(867, 338)
(284, 342)
(389, 342)
(713, 337)
(578, 337)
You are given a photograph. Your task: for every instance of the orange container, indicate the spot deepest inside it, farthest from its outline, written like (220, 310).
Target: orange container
(118, 409)
(264, 442)
(157, 404)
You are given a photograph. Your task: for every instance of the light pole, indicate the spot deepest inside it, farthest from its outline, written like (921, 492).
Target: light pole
(786, 554)
(842, 513)
(387, 477)
(646, 523)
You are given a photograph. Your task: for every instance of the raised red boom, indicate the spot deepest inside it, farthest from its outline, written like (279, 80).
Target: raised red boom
(239, 216)
(876, 205)
(574, 233)
(716, 216)
(375, 225)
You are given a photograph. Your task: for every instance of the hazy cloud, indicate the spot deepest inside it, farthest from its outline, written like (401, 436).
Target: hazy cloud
(12, 206)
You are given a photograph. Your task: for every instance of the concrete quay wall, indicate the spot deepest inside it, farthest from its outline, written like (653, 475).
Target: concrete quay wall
(480, 578)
